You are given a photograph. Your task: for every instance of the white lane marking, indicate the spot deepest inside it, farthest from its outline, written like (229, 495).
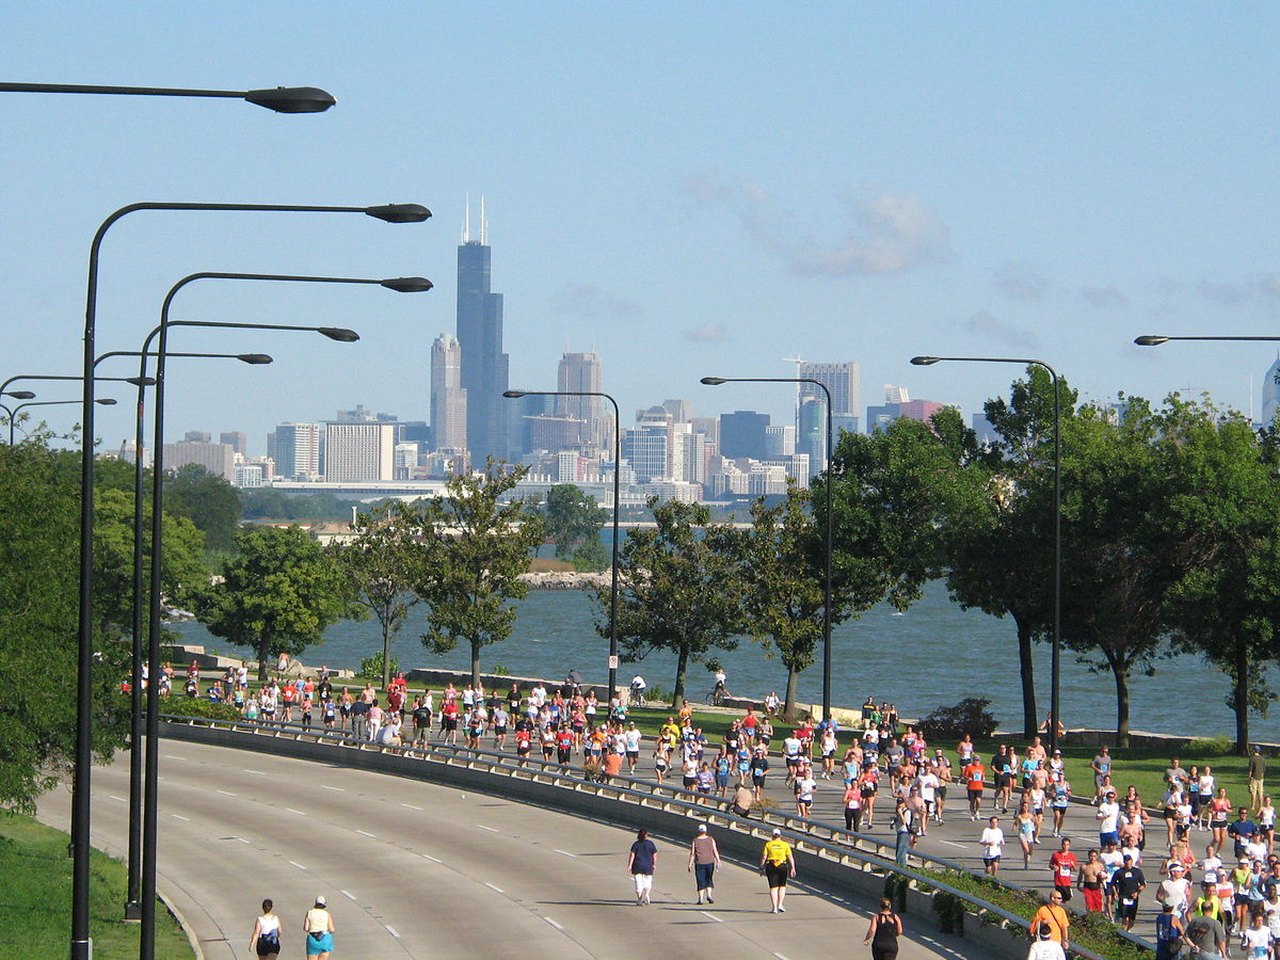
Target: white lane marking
(780, 956)
(952, 843)
(178, 816)
(347, 894)
(366, 833)
(121, 799)
(490, 829)
(301, 813)
(427, 856)
(170, 756)
(243, 840)
(493, 888)
(411, 806)
(711, 916)
(553, 923)
(227, 793)
(297, 864)
(256, 773)
(392, 931)
(335, 789)
(566, 853)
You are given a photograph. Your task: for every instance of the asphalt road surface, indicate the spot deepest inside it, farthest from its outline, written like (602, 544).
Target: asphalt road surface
(416, 870)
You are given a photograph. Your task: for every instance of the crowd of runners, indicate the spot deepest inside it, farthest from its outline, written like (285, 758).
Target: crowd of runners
(1213, 864)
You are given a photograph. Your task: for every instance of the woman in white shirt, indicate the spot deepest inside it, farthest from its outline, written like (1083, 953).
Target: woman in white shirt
(992, 846)
(265, 941)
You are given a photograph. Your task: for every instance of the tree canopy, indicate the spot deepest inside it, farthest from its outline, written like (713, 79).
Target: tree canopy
(478, 545)
(209, 501)
(277, 595)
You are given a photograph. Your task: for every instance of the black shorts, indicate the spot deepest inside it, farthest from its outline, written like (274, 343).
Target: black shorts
(500, 731)
(776, 874)
(266, 948)
(451, 723)
(1127, 911)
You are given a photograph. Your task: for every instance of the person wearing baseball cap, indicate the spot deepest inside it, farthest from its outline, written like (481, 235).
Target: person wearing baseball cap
(318, 926)
(704, 857)
(777, 863)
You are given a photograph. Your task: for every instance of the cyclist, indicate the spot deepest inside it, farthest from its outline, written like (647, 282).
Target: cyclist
(638, 687)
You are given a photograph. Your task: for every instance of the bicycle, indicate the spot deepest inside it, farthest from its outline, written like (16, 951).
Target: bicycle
(718, 695)
(637, 696)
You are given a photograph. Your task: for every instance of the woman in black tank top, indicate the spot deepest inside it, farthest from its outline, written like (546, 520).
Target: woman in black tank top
(886, 927)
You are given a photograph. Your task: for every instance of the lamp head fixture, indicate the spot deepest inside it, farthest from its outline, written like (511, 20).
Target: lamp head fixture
(513, 394)
(341, 334)
(21, 394)
(408, 284)
(399, 212)
(713, 381)
(1150, 340)
(292, 99)
(256, 359)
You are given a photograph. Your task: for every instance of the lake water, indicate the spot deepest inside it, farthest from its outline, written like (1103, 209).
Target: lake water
(934, 654)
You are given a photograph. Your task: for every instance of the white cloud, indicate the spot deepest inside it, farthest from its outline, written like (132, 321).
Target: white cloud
(707, 333)
(884, 234)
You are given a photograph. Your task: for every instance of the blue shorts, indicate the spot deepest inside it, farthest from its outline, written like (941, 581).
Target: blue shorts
(1111, 837)
(323, 944)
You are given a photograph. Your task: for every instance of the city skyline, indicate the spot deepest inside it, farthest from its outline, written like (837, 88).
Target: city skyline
(865, 183)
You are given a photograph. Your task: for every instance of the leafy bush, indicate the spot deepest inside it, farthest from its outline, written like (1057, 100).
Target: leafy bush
(1215, 747)
(200, 707)
(969, 716)
(371, 667)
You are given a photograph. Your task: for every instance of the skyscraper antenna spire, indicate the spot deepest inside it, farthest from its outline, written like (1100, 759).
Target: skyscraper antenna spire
(466, 222)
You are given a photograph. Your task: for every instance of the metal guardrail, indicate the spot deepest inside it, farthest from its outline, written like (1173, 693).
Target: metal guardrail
(848, 848)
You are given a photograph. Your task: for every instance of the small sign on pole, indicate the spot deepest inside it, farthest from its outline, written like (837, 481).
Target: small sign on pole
(613, 663)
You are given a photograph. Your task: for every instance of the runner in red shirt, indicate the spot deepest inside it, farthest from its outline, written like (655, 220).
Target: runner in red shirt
(1063, 865)
(974, 774)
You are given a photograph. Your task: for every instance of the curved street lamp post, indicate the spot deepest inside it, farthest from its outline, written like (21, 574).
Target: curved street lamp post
(13, 413)
(80, 801)
(826, 584)
(617, 471)
(1055, 682)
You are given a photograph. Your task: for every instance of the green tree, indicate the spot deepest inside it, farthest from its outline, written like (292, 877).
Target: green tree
(1118, 558)
(39, 588)
(1000, 548)
(277, 595)
(385, 561)
(784, 574)
(183, 556)
(680, 588)
(1223, 513)
(573, 521)
(478, 546)
(209, 501)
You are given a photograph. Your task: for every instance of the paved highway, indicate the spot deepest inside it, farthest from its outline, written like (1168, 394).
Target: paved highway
(415, 870)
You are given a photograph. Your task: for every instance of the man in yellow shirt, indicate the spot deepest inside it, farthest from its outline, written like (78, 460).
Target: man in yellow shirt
(777, 864)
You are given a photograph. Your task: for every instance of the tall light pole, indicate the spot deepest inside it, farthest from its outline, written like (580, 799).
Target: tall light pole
(617, 505)
(281, 100)
(132, 908)
(1055, 682)
(826, 583)
(13, 413)
(80, 801)
(161, 334)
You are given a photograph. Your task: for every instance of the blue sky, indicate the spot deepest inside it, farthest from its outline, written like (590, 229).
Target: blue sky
(687, 189)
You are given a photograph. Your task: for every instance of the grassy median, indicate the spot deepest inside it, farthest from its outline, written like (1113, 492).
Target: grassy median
(35, 900)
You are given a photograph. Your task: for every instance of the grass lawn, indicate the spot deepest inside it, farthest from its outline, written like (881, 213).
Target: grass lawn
(36, 902)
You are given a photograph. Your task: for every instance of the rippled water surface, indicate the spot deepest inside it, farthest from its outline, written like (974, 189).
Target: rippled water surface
(933, 654)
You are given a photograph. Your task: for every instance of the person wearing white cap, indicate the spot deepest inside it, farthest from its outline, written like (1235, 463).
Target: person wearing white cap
(704, 857)
(1175, 892)
(1045, 947)
(777, 863)
(318, 926)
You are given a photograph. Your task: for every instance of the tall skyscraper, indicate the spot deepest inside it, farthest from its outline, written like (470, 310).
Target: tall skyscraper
(581, 372)
(236, 439)
(448, 397)
(484, 365)
(742, 434)
(811, 437)
(296, 450)
(843, 380)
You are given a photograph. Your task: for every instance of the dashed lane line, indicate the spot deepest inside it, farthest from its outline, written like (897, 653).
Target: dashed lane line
(711, 916)
(493, 888)
(348, 894)
(566, 853)
(366, 833)
(490, 829)
(297, 864)
(553, 923)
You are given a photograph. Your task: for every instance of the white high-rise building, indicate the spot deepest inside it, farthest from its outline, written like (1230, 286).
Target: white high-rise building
(359, 451)
(296, 450)
(448, 397)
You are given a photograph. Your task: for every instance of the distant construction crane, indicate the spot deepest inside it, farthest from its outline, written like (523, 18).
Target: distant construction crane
(797, 360)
